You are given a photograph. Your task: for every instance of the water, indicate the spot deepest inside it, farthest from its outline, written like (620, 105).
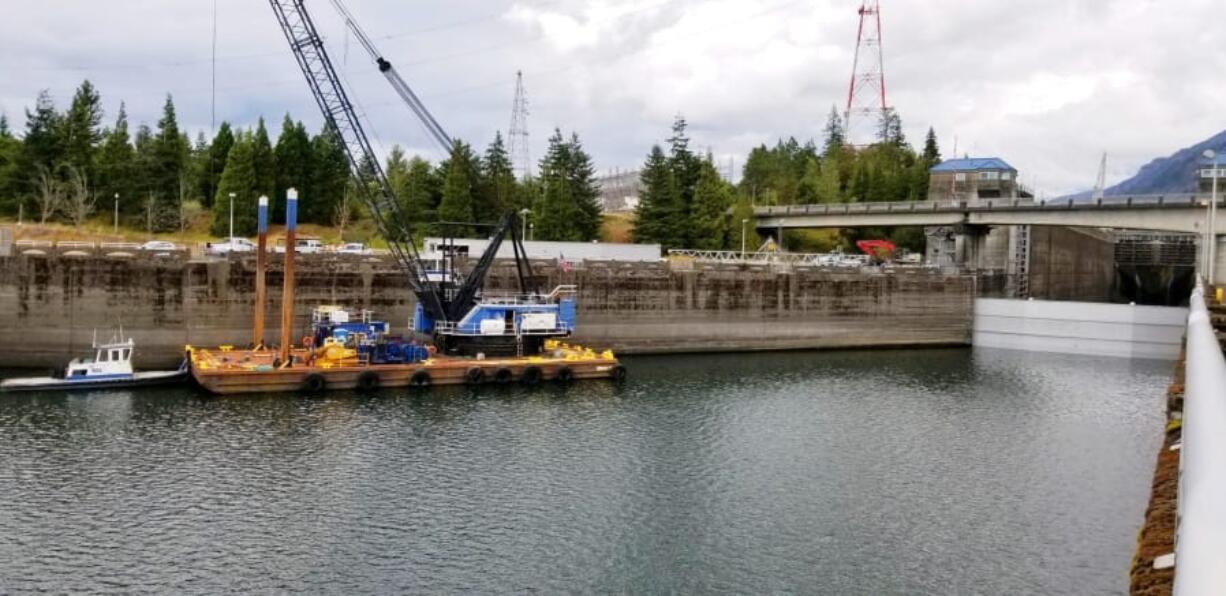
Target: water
(938, 471)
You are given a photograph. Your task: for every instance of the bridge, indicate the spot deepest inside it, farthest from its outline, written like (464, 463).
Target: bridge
(1167, 213)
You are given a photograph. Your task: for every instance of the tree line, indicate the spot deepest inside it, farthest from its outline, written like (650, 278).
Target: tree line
(684, 203)
(68, 166)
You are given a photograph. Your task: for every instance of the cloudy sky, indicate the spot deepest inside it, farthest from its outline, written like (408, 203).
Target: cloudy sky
(1046, 84)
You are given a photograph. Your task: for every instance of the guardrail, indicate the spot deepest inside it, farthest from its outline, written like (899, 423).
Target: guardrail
(1200, 535)
(1184, 200)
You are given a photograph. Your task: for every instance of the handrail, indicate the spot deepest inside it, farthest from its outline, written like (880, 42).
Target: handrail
(1200, 539)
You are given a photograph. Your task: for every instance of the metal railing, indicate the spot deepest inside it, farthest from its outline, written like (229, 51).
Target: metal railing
(1200, 535)
(793, 258)
(1182, 200)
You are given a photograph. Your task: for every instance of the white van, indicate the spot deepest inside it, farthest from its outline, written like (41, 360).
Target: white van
(302, 246)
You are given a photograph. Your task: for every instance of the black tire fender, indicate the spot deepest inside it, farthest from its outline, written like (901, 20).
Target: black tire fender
(618, 373)
(369, 381)
(474, 376)
(564, 374)
(420, 378)
(531, 375)
(314, 383)
(503, 375)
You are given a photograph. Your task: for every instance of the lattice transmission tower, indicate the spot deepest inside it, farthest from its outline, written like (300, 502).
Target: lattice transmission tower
(866, 93)
(517, 136)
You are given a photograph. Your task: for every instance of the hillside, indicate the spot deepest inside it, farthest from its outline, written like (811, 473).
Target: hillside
(1175, 173)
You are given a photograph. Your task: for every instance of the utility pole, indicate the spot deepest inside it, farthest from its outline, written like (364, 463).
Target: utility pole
(743, 223)
(231, 240)
(1101, 181)
(1211, 248)
(116, 213)
(523, 222)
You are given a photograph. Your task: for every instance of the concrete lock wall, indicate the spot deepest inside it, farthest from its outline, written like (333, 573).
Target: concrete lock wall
(1080, 328)
(1071, 264)
(49, 306)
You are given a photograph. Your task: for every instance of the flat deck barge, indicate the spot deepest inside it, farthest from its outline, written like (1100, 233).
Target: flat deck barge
(225, 370)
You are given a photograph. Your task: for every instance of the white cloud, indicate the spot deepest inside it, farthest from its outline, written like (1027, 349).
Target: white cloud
(1047, 84)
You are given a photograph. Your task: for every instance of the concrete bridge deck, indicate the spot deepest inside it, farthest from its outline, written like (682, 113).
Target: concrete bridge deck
(1170, 213)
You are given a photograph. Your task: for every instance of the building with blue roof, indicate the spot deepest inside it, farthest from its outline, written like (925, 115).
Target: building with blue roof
(972, 178)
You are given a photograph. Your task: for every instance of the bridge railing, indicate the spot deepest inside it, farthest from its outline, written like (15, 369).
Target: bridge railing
(1002, 204)
(1200, 537)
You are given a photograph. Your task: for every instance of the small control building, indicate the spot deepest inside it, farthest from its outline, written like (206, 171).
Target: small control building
(971, 178)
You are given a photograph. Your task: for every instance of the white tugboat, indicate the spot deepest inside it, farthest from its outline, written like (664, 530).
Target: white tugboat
(110, 367)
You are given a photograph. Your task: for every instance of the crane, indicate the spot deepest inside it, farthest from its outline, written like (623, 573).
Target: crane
(445, 299)
(402, 88)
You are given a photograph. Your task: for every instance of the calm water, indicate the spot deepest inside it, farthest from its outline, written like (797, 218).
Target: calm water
(939, 471)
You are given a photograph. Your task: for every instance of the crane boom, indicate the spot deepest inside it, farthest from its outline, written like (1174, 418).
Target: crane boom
(342, 119)
(402, 88)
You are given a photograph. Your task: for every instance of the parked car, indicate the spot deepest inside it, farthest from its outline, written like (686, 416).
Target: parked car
(229, 246)
(302, 246)
(354, 248)
(159, 245)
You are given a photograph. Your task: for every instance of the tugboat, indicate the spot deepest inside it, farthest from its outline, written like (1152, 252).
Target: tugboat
(111, 367)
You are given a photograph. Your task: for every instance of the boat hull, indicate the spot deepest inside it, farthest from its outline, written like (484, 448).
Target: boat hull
(140, 379)
(441, 370)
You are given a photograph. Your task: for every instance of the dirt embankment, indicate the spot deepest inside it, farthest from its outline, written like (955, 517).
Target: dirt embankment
(1157, 536)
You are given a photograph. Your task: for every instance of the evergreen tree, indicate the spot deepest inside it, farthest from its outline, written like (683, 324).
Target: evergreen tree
(556, 211)
(240, 178)
(497, 182)
(116, 166)
(42, 146)
(423, 193)
(743, 235)
(836, 138)
(457, 202)
(932, 153)
(168, 160)
(827, 186)
(685, 167)
(397, 172)
(219, 150)
(265, 164)
(329, 180)
(708, 215)
(583, 189)
(79, 131)
(10, 157)
(294, 164)
(658, 216)
(889, 128)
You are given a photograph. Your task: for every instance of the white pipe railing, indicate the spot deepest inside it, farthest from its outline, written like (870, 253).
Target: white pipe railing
(1200, 540)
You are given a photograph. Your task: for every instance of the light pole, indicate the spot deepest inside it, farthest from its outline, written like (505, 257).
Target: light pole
(116, 213)
(231, 239)
(1211, 253)
(531, 230)
(743, 223)
(523, 222)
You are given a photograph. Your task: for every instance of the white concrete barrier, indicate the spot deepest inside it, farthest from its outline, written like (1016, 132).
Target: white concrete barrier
(1091, 328)
(1200, 536)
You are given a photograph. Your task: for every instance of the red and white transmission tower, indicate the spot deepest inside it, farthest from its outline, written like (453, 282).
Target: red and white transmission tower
(866, 93)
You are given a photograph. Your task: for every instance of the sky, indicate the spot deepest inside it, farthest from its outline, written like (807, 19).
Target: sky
(1048, 85)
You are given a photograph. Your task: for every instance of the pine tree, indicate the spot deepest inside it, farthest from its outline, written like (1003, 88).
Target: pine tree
(889, 128)
(708, 215)
(657, 214)
(457, 204)
(555, 212)
(497, 182)
(219, 150)
(584, 191)
(10, 156)
(294, 164)
(117, 166)
(79, 131)
(240, 178)
(168, 160)
(932, 153)
(398, 178)
(265, 164)
(42, 146)
(742, 234)
(685, 167)
(329, 179)
(827, 188)
(836, 138)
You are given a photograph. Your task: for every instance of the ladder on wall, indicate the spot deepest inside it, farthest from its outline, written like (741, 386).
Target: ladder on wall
(1021, 261)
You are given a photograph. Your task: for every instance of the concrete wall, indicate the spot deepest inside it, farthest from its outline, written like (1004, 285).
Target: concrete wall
(1080, 328)
(49, 306)
(1071, 264)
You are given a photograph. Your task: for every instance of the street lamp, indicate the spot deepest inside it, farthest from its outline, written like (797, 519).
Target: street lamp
(231, 219)
(743, 222)
(1211, 250)
(116, 213)
(531, 230)
(523, 222)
